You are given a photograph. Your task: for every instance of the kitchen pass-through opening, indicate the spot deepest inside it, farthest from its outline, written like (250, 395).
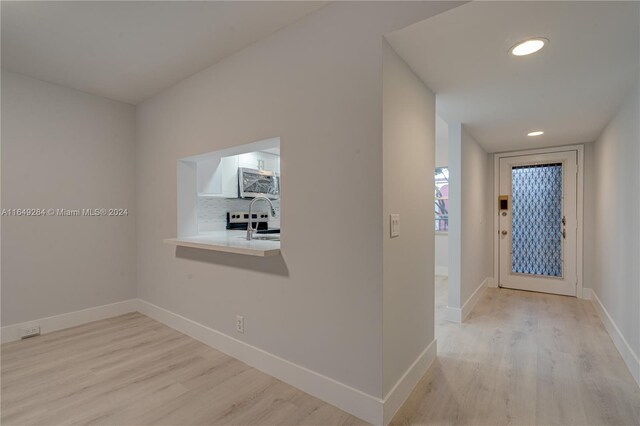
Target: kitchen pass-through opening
(215, 190)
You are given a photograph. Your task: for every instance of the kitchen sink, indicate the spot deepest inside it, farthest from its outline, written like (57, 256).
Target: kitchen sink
(262, 237)
(272, 237)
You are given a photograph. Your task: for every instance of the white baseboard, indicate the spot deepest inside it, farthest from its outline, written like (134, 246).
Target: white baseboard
(460, 314)
(442, 270)
(405, 385)
(11, 332)
(367, 407)
(628, 355)
(351, 400)
(492, 283)
(453, 314)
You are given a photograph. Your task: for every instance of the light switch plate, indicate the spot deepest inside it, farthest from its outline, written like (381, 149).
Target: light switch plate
(395, 225)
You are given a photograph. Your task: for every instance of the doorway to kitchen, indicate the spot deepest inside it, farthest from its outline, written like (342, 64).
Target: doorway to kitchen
(539, 220)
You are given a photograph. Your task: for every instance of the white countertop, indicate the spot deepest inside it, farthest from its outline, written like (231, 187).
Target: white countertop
(229, 242)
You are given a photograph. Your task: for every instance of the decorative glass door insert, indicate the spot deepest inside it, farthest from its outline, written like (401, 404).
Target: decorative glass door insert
(537, 222)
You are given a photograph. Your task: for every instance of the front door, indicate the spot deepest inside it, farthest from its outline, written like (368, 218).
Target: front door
(538, 222)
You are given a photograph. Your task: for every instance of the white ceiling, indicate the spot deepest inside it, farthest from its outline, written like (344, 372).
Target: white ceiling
(570, 89)
(129, 51)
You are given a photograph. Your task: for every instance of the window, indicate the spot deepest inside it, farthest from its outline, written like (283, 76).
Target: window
(442, 199)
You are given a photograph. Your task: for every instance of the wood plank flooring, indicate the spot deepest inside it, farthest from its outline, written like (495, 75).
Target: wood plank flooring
(132, 370)
(523, 358)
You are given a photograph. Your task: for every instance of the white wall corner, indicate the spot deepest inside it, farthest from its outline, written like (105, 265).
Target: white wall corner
(473, 299)
(407, 383)
(12, 333)
(458, 315)
(453, 314)
(628, 355)
(491, 282)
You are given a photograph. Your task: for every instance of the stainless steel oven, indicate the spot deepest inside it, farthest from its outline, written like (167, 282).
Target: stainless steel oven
(252, 182)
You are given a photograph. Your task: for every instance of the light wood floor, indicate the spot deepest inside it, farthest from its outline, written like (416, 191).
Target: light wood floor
(132, 370)
(521, 358)
(524, 358)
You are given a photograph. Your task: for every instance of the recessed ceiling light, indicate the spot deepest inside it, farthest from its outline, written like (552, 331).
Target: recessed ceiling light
(536, 133)
(528, 47)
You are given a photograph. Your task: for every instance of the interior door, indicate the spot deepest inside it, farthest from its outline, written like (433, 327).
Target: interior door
(538, 222)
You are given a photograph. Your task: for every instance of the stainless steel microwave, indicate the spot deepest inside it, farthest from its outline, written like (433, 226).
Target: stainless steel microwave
(252, 182)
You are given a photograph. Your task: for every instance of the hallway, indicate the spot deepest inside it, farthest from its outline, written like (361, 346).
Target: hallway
(523, 358)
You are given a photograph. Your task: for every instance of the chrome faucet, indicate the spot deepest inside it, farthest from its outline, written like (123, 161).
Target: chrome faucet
(249, 227)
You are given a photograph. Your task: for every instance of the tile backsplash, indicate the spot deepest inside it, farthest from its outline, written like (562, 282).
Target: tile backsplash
(212, 211)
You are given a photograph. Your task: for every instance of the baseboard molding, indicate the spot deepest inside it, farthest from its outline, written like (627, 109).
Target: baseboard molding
(351, 400)
(491, 283)
(442, 270)
(453, 314)
(458, 315)
(628, 355)
(11, 332)
(366, 407)
(405, 385)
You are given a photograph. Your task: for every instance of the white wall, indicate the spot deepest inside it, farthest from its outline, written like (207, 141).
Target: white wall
(470, 198)
(62, 148)
(442, 160)
(589, 217)
(408, 163)
(616, 277)
(477, 214)
(318, 85)
(442, 253)
(442, 142)
(455, 215)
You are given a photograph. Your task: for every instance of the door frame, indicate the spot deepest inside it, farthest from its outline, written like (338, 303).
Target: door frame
(579, 208)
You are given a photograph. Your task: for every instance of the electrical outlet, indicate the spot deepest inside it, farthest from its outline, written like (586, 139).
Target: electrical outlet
(395, 225)
(30, 331)
(239, 323)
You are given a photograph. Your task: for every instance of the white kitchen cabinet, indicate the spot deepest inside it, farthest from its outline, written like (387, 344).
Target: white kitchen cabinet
(218, 177)
(259, 160)
(229, 176)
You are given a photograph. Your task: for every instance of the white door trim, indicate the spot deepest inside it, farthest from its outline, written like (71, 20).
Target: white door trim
(580, 206)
